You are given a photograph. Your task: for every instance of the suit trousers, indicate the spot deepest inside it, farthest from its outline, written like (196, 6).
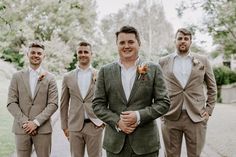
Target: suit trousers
(194, 133)
(41, 142)
(127, 151)
(90, 136)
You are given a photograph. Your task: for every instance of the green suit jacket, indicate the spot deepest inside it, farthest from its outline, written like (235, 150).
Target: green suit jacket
(148, 96)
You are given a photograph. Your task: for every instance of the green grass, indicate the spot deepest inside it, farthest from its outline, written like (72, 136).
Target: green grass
(7, 144)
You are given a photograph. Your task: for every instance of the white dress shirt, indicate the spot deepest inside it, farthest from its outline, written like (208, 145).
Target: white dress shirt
(128, 78)
(33, 80)
(182, 69)
(84, 79)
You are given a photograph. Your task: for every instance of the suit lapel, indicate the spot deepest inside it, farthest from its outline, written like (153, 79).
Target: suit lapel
(74, 79)
(92, 82)
(136, 83)
(25, 78)
(193, 71)
(173, 78)
(116, 71)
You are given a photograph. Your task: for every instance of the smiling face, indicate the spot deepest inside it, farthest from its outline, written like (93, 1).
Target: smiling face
(84, 55)
(128, 46)
(35, 56)
(183, 43)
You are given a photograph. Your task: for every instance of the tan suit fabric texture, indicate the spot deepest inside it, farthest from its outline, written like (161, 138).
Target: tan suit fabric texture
(199, 95)
(41, 107)
(72, 110)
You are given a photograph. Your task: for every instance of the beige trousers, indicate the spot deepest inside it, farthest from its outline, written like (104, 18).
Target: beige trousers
(173, 132)
(41, 142)
(91, 137)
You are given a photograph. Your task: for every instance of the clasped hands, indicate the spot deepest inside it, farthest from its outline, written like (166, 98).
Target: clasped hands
(30, 128)
(127, 122)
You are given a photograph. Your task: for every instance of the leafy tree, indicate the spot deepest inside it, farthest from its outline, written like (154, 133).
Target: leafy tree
(67, 22)
(149, 18)
(219, 21)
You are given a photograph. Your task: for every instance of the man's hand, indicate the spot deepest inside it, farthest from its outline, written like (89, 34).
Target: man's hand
(206, 115)
(125, 128)
(129, 117)
(66, 133)
(128, 122)
(29, 127)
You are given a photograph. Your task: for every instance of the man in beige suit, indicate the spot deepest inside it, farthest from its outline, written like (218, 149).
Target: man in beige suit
(32, 99)
(192, 90)
(79, 123)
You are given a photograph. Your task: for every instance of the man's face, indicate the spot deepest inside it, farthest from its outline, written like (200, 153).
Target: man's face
(84, 55)
(36, 56)
(128, 46)
(182, 43)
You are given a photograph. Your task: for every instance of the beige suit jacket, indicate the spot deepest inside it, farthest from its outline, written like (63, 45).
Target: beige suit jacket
(73, 106)
(23, 107)
(193, 94)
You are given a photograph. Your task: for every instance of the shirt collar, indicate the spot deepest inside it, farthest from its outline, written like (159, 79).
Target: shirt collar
(135, 63)
(37, 70)
(90, 68)
(188, 55)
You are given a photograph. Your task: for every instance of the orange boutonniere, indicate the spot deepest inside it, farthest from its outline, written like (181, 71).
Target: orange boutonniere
(42, 75)
(142, 70)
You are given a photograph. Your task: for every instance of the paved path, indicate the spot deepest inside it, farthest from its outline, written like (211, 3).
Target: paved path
(220, 142)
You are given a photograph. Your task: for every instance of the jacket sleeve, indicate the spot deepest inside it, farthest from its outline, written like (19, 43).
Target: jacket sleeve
(13, 102)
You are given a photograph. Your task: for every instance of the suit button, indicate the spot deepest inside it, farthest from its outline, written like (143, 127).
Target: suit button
(83, 101)
(183, 89)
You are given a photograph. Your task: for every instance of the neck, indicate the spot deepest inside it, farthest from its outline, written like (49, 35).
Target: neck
(128, 62)
(84, 66)
(181, 53)
(34, 67)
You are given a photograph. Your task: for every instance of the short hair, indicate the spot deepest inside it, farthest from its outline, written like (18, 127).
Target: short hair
(184, 31)
(85, 43)
(129, 29)
(37, 44)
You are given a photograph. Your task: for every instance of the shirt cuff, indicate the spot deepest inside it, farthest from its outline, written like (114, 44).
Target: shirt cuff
(138, 117)
(36, 122)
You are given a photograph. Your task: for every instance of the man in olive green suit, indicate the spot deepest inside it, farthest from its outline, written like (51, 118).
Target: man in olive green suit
(32, 99)
(129, 95)
(187, 74)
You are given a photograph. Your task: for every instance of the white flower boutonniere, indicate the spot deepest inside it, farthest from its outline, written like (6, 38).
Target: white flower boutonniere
(195, 61)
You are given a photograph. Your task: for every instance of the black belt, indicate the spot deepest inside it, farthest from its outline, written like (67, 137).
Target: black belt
(87, 121)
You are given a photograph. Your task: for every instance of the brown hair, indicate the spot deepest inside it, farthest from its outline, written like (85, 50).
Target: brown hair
(37, 44)
(184, 31)
(129, 29)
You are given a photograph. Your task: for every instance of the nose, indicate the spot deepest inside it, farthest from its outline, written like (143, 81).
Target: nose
(126, 45)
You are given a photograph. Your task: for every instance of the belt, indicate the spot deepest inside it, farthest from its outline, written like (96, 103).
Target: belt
(87, 121)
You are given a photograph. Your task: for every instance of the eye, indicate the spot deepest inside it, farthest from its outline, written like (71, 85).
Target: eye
(179, 38)
(186, 38)
(86, 52)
